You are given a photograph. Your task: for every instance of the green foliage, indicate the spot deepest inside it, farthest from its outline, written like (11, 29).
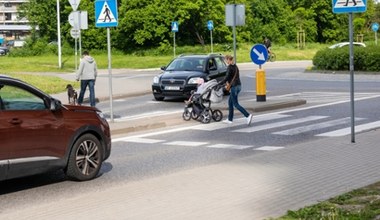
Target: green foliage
(365, 59)
(359, 24)
(39, 47)
(146, 24)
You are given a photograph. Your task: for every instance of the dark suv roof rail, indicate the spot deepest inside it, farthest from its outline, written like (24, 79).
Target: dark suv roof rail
(215, 54)
(186, 54)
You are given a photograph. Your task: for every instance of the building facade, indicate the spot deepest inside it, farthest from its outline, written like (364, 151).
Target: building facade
(12, 27)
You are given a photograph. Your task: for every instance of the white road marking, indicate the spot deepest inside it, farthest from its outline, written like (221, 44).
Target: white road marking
(238, 121)
(187, 143)
(273, 114)
(268, 148)
(346, 131)
(230, 146)
(138, 140)
(279, 124)
(313, 127)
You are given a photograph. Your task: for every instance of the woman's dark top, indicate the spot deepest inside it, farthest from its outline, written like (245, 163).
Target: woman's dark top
(231, 70)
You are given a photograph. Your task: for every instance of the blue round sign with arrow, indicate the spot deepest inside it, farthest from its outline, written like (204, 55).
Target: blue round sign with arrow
(259, 54)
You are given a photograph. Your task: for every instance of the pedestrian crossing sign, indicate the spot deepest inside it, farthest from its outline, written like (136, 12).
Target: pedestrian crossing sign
(106, 13)
(175, 26)
(348, 6)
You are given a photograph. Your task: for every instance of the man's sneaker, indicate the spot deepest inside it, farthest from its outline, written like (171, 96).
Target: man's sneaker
(249, 119)
(227, 121)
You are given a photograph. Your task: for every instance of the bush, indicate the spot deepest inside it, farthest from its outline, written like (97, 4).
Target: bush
(365, 59)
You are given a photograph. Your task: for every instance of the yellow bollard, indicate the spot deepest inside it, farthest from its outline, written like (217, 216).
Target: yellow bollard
(260, 86)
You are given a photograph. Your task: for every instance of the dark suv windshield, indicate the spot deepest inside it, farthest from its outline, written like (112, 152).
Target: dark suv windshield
(187, 64)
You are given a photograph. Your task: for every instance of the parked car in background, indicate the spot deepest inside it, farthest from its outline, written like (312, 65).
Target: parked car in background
(180, 77)
(39, 134)
(3, 50)
(346, 44)
(15, 43)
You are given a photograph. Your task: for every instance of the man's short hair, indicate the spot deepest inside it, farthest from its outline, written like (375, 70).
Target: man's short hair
(85, 53)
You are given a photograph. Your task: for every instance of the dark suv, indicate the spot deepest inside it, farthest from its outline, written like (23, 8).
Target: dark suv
(180, 77)
(39, 134)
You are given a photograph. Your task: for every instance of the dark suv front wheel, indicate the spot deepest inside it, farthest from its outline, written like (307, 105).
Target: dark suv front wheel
(85, 158)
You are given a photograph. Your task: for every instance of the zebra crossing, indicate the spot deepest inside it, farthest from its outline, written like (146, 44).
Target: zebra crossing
(326, 97)
(274, 123)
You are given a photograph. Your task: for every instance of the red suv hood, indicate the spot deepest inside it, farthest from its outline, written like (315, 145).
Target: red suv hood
(80, 107)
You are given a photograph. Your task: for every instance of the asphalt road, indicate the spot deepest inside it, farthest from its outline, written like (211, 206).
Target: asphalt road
(143, 155)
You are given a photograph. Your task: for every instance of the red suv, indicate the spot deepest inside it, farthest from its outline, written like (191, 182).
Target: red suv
(39, 134)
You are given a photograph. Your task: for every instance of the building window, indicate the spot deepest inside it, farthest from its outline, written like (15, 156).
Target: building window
(7, 5)
(8, 16)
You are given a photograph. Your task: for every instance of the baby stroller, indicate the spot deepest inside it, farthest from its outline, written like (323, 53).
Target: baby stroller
(198, 107)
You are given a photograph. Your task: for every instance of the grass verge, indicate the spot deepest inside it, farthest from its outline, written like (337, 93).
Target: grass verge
(359, 204)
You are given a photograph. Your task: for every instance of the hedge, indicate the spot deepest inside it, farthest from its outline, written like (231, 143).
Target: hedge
(365, 59)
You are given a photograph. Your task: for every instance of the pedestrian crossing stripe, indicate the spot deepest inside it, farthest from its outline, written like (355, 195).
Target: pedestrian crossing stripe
(269, 148)
(230, 146)
(186, 143)
(347, 131)
(279, 124)
(141, 140)
(312, 127)
(106, 13)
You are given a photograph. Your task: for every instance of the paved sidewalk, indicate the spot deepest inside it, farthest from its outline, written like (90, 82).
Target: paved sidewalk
(255, 187)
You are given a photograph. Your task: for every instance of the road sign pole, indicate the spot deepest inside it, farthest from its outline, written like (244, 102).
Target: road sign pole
(80, 34)
(234, 32)
(110, 71)
(376, 37)
(212, 50)
(76, 54)
(59, 36)
(174, 43)
(351, 33)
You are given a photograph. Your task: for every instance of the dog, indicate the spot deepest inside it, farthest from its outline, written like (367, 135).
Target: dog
(72, 95)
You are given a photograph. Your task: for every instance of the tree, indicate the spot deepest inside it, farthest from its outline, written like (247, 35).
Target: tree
(42, 16)
(305, 20)
(147, 23)
(270, 18)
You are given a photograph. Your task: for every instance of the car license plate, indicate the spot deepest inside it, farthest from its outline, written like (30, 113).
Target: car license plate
(171, 87)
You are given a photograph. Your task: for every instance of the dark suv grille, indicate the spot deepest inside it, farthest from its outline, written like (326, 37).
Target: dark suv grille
(176, 82)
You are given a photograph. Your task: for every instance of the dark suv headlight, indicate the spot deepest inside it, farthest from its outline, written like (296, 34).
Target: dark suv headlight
(193, 80)
(156, 80)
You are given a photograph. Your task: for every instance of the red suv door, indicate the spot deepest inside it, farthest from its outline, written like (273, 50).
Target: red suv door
(31, 132)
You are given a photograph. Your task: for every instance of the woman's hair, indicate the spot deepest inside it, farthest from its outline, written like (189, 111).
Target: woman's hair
(229, 57)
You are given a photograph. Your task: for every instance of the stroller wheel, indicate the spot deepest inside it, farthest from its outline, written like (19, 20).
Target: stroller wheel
(205, 117)
(186, 115)
(194, 115)
(217, 115)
